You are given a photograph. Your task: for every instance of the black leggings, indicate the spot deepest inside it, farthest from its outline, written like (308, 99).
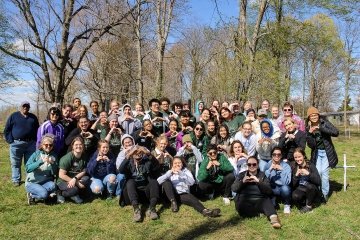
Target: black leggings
(192, 201)
(70, 192)
(223, 187)
(151, 190)
(168, 189)
(253, 207)
(309, 192)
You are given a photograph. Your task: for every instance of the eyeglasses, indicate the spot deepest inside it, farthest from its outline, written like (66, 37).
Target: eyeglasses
(198, 129)
(287, 110)
(276, 154)
(211, 153)
(48, 145)
(252, 164)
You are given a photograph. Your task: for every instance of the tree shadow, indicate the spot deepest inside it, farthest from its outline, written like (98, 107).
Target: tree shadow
(210, 226)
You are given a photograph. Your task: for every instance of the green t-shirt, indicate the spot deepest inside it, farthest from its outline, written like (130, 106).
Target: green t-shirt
(71, 165)
(102, 130)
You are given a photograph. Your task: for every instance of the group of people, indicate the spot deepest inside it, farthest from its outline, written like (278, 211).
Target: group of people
(255, 158)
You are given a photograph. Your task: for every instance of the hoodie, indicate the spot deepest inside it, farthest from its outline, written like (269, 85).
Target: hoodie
(129, 125)
(197, 112)
(121, 157)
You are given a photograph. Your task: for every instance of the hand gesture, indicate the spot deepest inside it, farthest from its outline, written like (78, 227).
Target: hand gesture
(253, 178)
(210, 164)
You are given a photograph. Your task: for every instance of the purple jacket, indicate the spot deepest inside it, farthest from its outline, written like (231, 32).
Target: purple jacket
(57, 130)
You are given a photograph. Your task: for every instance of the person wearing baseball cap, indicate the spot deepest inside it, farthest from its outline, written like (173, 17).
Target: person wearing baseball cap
(20, 132)
(319, 132)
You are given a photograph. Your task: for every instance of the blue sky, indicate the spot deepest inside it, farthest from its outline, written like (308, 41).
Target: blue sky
(202, 12)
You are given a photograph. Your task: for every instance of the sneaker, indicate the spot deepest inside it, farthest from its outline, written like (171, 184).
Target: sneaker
(211, 212)
(210, 196)
(226, 201)
(137, 214)
(109, 196)
(287, 209)
(52, 195)
(16, 184)
(77, 199)
(275, 222)
(60, 199)
(305, 209)
(31, 200)
(174, 206)
(152, 214)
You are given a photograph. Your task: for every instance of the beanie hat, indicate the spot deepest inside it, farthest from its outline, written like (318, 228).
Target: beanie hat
(187, 138)
(312, 110)
(112, 117)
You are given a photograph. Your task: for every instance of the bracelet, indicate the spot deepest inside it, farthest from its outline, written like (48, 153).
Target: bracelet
(76, 178)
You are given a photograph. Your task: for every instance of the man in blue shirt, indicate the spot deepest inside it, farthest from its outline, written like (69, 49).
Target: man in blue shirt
(20, 132)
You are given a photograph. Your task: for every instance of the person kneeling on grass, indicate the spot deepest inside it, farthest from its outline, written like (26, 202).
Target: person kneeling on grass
(72, 173)
(41, 171)
(141, 171)
(216, 174)
(102, 170)
(306, 181)
(181, 179)
(253, 191)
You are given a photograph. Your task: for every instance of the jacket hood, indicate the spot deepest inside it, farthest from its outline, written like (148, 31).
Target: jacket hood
(197, 111)
(127, 136)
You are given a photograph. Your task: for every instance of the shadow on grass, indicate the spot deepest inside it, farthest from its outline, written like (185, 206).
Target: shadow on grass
(210, 226)
(335, 187)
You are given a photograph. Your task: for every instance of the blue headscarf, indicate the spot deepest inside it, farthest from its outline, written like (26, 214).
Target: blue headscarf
(268, 135)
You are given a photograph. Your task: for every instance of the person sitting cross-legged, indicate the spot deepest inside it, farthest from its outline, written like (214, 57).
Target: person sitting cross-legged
(253, 193)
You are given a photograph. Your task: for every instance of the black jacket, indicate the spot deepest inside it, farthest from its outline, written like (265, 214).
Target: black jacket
(247, 189)
(314, 176)
(288, 146)
(327, 130)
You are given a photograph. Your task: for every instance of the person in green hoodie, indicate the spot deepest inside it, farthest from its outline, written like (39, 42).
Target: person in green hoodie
(216, 174)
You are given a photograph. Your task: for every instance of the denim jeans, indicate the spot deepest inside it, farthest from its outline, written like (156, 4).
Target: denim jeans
(40, 191)
(322, 165)
(262, 164)
(18, 151)
(284, 191)
(120, 178)
(98, 183)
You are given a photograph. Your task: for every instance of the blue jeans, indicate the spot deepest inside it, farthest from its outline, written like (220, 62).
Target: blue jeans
(262, 164)
(99, 184)
(322, 165)
(18, 151)
(40, 191)
(284, 191)
(120, 178)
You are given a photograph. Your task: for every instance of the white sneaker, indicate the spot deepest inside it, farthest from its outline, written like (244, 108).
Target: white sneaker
(226, 201)
(287, 209)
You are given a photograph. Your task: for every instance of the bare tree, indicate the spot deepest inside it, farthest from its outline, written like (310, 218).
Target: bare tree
(59, 35)
(164, 17)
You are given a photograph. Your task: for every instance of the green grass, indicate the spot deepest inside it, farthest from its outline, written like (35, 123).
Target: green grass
(101, 219)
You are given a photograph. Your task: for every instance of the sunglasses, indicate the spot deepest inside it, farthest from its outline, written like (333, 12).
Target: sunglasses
(287, 110)
(252, 164)
(276, 154)
(212, 153)
(198, 129)
(48, 145)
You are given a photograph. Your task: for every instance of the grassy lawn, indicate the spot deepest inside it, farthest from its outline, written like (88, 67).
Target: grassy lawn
(101, 219)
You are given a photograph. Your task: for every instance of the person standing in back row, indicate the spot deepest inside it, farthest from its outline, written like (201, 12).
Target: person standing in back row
(20, 132)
